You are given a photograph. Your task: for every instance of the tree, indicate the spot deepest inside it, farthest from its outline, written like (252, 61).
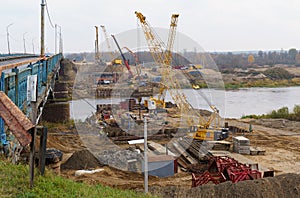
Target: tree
(292, 53)
(251, 59)
(298, 59)
(297, 110)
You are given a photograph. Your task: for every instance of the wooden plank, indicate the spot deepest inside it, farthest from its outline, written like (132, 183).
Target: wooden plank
(158, 148)
(185, 154)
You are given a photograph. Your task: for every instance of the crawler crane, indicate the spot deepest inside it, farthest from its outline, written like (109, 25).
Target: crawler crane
(200, 127)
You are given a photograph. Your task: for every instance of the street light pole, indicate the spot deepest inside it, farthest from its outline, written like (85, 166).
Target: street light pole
(60, 41)
(24, 42)
(33, 47)
(145, 156)
(55, 38)
(7, 34)
(43, 28)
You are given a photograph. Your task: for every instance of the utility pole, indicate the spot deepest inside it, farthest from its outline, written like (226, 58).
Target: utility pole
(43, 28)
(60, 41)
(145, 156)
(33, 47)
(55, 39)
(24, 42)
(7, 34)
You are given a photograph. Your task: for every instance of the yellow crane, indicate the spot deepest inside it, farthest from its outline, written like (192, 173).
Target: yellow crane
(160, 53)
(200, 128)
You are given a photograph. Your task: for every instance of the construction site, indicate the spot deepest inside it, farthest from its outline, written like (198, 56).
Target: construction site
(188, 151)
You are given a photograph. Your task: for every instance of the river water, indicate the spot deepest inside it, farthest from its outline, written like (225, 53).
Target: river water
(232, 104)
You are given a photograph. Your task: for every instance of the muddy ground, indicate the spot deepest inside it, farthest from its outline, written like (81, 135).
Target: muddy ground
(279, 138)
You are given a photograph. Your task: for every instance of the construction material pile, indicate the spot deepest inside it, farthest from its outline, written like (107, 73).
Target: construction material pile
(286, 185)
(82, 159)
(221, 169)
(241, 145)
(119, 159)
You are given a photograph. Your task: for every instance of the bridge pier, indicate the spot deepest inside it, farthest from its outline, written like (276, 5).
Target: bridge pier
(57, 109)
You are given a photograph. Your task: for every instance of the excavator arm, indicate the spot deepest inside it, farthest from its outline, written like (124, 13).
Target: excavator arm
(123, 57)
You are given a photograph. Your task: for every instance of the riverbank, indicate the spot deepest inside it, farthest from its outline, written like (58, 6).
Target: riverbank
(266, 83)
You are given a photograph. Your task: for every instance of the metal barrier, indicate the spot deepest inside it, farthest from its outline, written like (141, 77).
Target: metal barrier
(14, 84)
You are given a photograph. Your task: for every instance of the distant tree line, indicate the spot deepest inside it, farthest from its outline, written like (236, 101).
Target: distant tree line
(280, 113)
(230, 60)
(224, 61)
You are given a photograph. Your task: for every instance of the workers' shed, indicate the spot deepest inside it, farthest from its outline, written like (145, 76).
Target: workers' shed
(161, 165)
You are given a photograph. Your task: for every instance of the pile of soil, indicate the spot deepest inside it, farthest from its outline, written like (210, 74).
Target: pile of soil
(286, 185)
(82, 159)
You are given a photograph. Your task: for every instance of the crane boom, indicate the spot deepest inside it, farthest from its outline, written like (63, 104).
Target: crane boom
(112, 56)
(137, 61)
(123, 57)
(163, 58)
(155, 44)
(158, 51)
(171, 37)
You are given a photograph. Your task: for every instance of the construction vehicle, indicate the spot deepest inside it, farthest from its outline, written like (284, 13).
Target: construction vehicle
(200, 127)
(123, 57)
(137, 61)
(160, 56)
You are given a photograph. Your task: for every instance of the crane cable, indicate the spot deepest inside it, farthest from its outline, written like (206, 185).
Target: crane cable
(49, 15)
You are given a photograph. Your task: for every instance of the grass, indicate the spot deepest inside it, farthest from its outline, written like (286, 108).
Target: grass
(14, 182)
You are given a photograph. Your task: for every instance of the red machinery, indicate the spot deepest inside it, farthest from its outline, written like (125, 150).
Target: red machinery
(123, 57)
(223, 169)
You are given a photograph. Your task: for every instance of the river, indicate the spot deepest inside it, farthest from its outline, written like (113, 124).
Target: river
(232, 104)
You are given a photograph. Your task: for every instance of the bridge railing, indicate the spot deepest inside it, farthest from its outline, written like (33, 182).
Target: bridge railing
(5, 57)
(14, 83)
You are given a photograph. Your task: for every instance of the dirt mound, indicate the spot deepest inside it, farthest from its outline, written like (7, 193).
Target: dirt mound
(82, 159)
(286, 185)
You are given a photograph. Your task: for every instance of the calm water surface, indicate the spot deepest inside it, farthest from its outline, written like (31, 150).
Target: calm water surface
(232, 104)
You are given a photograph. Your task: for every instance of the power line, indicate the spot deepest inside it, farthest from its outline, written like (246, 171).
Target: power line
(49, 15)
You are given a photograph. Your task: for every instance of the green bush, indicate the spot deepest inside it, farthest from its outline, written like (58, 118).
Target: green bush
(280, 113)
(278, 73)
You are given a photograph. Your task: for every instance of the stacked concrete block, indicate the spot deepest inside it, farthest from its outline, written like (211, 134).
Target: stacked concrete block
(241, 145)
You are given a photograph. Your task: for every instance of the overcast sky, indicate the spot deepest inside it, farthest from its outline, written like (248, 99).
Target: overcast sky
(216, 25)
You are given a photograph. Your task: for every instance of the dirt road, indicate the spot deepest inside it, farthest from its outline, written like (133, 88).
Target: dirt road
(282, 144)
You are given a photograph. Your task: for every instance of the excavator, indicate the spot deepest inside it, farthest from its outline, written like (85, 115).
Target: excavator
(123, 57)
(201, 128)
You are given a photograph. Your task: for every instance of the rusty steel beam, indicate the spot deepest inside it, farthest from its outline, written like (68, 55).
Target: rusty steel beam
(16, 121)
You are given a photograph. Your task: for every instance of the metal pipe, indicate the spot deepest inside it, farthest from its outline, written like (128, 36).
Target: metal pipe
(7, 34)
(43, 28)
